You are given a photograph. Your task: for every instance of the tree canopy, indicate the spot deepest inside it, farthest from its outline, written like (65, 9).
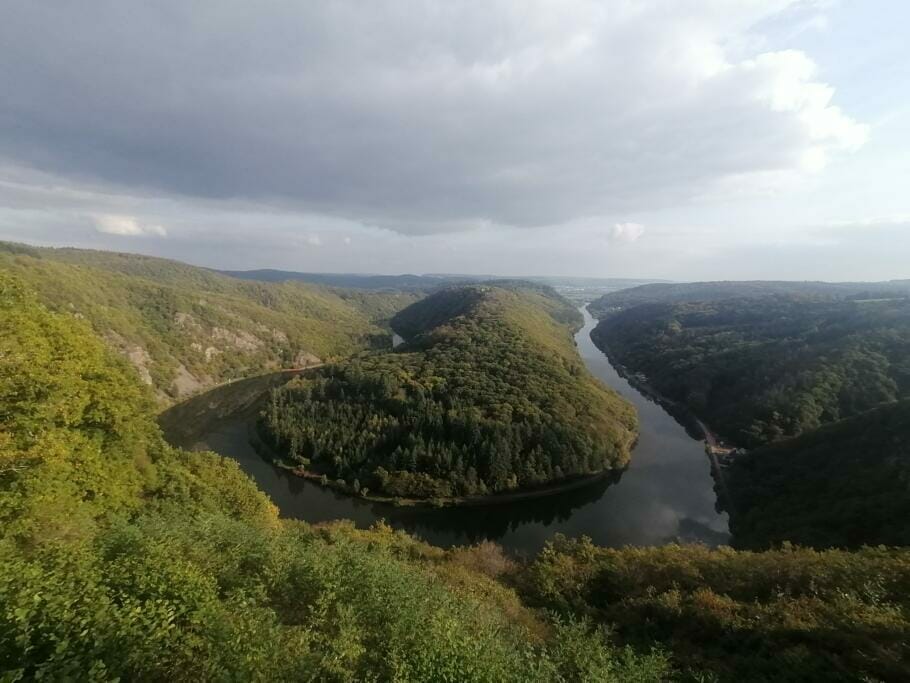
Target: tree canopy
(845, 485)
(760, 370)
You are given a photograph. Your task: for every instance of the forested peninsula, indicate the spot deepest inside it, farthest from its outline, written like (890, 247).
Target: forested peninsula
(487, 396)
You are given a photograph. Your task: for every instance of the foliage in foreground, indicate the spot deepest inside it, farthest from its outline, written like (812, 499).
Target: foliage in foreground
(489, 395)
(785, 615)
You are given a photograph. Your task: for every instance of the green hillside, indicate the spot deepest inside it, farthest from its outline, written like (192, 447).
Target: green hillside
(760, 370)
(186, 328)
(846, 484)
(488, 395)
(691, 292)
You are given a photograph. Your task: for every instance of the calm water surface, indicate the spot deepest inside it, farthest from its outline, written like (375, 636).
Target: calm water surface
(666, 493)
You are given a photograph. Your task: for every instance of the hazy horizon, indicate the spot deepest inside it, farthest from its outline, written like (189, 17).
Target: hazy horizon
(696, 141)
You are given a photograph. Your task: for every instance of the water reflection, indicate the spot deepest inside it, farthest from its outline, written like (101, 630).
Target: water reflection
(665, 495)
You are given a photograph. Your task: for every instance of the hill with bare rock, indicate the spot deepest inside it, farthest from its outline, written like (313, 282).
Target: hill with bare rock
(185, 328)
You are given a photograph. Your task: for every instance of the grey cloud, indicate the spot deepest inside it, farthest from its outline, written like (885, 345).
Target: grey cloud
(419, 117)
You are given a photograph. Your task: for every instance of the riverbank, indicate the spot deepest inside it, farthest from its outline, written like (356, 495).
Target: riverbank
(693, 425)
(713, 445)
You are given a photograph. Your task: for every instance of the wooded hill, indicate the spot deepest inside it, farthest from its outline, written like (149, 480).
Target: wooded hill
(759, 370)
(186, 328)
(488, 395)
(701, 292)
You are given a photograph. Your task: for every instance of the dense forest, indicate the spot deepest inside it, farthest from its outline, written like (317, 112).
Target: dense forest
(760, 370)
(701, 292)
(845, 485)
(123, 557)
(488, 395)
(186, 328)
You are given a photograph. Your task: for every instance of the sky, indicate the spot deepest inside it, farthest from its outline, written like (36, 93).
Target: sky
(687, 140)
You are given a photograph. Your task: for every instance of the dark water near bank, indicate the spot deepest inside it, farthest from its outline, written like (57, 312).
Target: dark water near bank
(666, 493)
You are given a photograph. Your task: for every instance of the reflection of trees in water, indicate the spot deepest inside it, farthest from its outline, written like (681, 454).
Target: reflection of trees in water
(202, 414)
(693, 531)
(471, 524)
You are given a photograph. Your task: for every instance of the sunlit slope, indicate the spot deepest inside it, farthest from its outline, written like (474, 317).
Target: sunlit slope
(489, 395)
(185, 328)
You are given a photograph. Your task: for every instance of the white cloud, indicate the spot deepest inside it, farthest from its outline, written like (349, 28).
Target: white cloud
(127, 226)
(626, 232)
(313, 240)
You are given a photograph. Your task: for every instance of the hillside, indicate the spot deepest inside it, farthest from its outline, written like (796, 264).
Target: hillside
(760, 370)
(122, 557)
(691, 292)
(392, 283)
(488, 395)
(186, 328)
(846, 485)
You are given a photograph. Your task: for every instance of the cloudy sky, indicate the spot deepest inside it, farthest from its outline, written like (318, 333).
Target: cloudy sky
(649, 138)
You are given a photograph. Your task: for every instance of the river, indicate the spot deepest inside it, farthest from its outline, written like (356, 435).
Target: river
(666, 494)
